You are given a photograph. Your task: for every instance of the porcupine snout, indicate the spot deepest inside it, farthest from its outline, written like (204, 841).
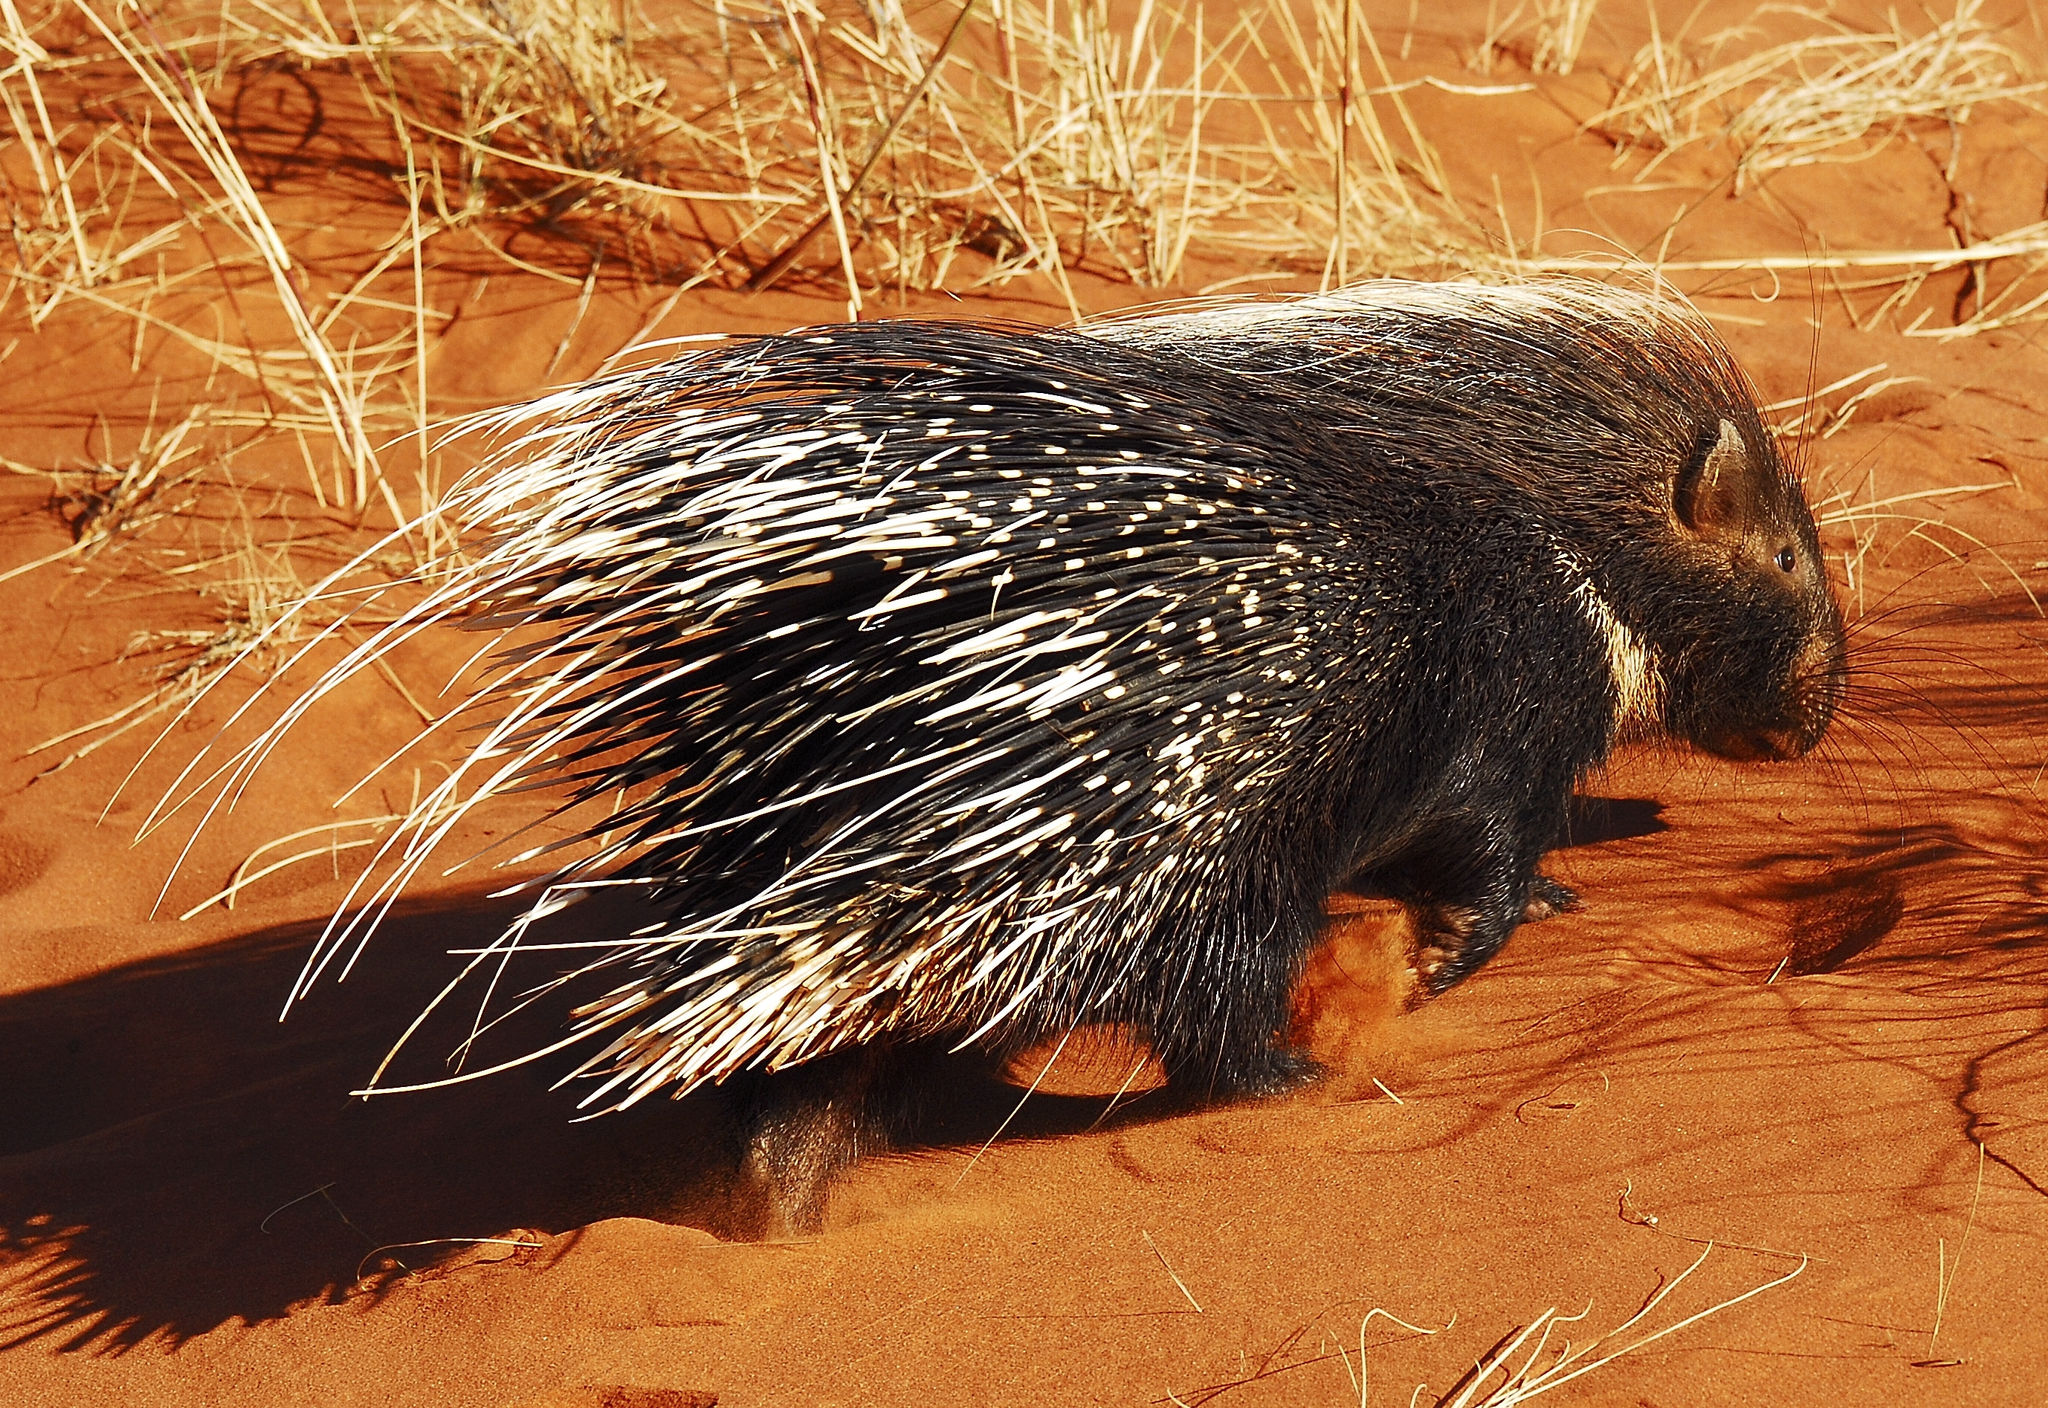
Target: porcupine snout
(1813, 691)
(1799, 708)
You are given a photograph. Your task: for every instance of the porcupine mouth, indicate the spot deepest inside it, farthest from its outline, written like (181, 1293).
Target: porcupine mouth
(1799, 723)
(1765, 746)
(1777, 743)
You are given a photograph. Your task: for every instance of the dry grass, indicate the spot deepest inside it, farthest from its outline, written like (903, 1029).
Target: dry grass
(1748, 103)
(253, 598)
(1538, 1357)
(1030, 138)
(1837, 94)
(1880, 526)
(1015, 138)
(1019, 139)
(111, 503)
(1548, 36)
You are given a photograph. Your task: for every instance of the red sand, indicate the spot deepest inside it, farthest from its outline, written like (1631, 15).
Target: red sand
(1798, 1003)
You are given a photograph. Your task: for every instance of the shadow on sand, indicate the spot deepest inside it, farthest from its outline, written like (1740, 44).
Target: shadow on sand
(173, 1158)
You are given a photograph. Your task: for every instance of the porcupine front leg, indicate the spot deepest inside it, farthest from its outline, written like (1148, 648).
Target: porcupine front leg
(1464, 917)
(1468, 881)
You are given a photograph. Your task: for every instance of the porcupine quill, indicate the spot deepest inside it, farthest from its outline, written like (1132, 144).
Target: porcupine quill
(968, 683)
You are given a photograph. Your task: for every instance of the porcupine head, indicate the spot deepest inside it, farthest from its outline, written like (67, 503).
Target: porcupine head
(1631, 439)
(1721, 628)
(1733, 641)
(1769, 685)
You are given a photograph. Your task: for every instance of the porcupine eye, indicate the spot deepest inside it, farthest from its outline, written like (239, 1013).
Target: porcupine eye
(1785, 559)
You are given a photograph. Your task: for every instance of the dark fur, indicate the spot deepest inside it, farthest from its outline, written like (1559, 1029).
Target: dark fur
(1448, 487)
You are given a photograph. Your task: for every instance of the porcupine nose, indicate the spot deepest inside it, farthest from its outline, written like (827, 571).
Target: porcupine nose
(1812, 688)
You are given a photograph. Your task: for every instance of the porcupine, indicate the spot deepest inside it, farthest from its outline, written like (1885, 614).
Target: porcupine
(967, 683)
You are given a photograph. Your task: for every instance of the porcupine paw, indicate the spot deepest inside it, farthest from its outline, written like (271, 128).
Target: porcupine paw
(1444, 954)
(1547, 899)
(1273, 1071)
(1454, 941)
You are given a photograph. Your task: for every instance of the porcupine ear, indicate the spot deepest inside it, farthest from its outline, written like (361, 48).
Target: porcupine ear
(1722, 488)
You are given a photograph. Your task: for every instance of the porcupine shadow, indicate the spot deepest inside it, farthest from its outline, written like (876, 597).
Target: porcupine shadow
(173, 1158)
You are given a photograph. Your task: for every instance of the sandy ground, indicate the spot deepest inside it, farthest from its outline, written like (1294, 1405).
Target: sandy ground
(1800, 1019)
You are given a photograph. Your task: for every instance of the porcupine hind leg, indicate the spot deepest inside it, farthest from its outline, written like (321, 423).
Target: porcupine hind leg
(800, 1128)
(1221, 1033)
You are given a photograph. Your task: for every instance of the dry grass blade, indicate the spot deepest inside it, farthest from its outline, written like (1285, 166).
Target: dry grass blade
(1543, 1369)
(791, 252)
(2026, 242)
(174, 92)
(1946, 1269)
(1362, 1379)
(1837, 95)
(826, 142)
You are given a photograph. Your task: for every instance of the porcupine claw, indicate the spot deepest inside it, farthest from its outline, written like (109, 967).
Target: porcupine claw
(1548, 899)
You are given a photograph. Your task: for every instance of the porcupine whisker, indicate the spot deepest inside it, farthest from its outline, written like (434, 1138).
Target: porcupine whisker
(1831, 754)
(1980, 747)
